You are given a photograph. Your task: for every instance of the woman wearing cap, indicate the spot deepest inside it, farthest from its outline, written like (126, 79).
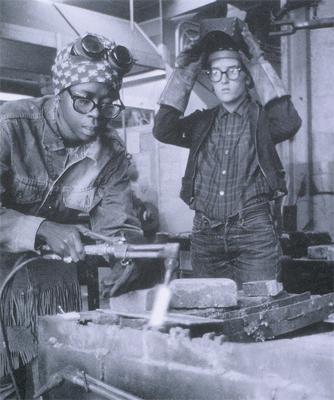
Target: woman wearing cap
(233, 170)
(60, 159)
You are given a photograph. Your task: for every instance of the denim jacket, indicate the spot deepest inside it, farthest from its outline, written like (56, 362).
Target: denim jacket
(42, 179)
(272, 124)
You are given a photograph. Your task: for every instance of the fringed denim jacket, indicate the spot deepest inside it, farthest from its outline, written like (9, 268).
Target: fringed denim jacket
(42, 179)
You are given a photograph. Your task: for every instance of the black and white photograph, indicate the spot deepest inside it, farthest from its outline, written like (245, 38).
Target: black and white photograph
(166, 199)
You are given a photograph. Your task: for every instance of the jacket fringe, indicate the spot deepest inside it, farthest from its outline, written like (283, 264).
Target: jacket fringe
(20, 316)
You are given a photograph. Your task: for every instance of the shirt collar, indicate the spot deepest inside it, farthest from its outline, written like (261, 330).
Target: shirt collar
(241, 110)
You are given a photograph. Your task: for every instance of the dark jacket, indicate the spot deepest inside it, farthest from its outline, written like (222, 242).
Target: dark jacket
(272, 124)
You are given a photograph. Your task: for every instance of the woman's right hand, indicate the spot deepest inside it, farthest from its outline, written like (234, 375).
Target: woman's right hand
(63, 239)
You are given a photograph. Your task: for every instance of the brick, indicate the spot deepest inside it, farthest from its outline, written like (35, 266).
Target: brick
(262, 288)
(135, 301)
(203, 293)
(324, 252)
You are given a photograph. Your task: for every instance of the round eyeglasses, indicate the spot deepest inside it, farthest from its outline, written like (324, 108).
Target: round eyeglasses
(216, 74)
(83, 105)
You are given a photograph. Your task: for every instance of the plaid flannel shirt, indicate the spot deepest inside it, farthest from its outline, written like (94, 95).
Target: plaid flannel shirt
(228, 175)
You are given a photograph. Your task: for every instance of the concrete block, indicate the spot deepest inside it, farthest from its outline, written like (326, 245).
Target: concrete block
(203, 293)
(135, 301)
(324, 252)
(198, 369)
(262, 288)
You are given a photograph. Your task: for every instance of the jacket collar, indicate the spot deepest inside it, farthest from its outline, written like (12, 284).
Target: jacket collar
(51, 139)
(253, 112)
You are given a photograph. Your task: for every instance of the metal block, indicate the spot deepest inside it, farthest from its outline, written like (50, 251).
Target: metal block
(324, 252)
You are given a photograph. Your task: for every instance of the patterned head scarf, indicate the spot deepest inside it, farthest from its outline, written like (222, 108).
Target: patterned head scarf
(70, 69)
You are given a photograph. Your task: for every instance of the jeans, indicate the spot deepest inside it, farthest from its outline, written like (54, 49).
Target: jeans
(244, 248)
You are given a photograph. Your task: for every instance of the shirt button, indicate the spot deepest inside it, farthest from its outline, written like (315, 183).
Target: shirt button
(224, 172)
(226, 152)
(50, 207)
(222, 193)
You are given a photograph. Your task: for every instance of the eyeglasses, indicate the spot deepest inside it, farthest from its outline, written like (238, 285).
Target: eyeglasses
(216, 75)
(92, 47)
(83, 105)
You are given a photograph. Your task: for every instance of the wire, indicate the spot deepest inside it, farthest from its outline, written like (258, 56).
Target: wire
(17, 267)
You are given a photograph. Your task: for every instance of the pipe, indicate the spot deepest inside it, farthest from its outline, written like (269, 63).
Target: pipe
(132, 12)
(90, 384)
(310, 145)
(291, 27)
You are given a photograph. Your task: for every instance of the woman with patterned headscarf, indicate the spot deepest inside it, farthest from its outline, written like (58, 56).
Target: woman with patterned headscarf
(60, 160)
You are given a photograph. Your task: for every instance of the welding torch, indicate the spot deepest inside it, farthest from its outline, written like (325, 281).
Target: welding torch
(168, 251)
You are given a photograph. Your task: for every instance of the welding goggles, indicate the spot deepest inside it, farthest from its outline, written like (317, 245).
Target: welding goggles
(92, 47)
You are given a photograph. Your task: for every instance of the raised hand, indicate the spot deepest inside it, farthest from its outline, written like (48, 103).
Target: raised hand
(191, 59)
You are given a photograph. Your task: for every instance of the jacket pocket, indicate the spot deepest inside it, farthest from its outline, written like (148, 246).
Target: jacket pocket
(27, 190)
(82, 200)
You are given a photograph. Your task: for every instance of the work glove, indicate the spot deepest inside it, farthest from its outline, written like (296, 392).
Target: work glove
(267, 83)
(254, 50)
(190, 60)
(188, 65)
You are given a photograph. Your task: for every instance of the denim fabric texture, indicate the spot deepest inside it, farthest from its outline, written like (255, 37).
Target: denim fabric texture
(41, 178)
(244, 248)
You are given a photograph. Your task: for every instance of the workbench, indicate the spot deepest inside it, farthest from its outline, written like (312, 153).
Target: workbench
(174, 365)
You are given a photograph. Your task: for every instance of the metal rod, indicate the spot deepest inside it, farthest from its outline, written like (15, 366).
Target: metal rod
(80, 378)
(309, 130)
(291, 27)
(316, 23)
(131, 14)
(115, 390)
(66, 20)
